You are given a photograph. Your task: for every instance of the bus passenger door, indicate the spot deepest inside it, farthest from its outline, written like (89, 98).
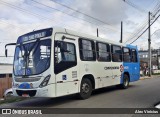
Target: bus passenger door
(65, 65)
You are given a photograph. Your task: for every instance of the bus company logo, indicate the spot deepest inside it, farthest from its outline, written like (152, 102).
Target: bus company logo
(111, 68)
(6, 111)
(21, 112)
(25, 86)
(121, 68)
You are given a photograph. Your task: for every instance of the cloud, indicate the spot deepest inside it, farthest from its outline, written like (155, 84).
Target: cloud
(36, 16)
(110, 11)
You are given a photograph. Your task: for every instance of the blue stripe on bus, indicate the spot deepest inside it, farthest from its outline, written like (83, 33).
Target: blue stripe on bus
(132, 68)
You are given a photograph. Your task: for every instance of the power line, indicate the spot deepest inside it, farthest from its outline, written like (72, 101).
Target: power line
(111, 27)
(154, 32)
(35, 14)
(156, 7)
(42, 17)
(75, 17)
(22, 10)
(4, 22)
(145, 30)
(81, 13)
(78, 11)
(137, 31)
(26, 11)
(135, 6)
(154, 13)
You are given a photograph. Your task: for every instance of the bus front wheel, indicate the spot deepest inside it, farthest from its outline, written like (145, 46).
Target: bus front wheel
(85, 89)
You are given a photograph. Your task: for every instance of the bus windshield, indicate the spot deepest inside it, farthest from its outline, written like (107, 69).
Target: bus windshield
(32, 58)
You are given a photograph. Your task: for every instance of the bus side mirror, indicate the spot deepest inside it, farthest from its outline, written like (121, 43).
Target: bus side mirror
(6, 52)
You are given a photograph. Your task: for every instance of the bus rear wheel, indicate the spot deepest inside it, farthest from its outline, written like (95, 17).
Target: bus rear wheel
(125, 83)
(85, 89)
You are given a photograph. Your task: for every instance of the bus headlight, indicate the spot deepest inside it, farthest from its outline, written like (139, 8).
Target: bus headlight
(45, 81)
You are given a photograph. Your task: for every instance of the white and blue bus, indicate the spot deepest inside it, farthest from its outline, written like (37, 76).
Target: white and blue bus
(55, 62)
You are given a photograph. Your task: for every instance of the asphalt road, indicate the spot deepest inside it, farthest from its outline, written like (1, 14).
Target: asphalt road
(141, 94)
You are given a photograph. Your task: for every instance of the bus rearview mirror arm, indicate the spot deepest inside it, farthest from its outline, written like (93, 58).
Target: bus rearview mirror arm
(6, 51)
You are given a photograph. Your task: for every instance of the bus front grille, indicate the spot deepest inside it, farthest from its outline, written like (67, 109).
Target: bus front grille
(27, 79)
(31, 93)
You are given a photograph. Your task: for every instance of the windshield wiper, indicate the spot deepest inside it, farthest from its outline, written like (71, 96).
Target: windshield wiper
(37, 41)
(27, 53)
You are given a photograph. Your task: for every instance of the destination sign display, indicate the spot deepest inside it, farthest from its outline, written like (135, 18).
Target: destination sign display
(35, 35)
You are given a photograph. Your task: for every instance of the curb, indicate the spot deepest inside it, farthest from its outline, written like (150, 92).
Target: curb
(147, 77)
(143, 78)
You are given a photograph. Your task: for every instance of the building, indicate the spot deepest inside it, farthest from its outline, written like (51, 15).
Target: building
(155, 60)
(6, 70)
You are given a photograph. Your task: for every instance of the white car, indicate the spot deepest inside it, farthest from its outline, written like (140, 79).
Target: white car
(8, 93)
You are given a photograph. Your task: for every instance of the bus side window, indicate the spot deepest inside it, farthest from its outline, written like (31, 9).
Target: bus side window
(65, 56)
(103, 52)
(65, 52)
(134, 55)
(116, 53)
(87, 50)
(126, 55)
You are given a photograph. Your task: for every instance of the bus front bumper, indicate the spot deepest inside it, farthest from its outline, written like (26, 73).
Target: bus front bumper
(47, 91)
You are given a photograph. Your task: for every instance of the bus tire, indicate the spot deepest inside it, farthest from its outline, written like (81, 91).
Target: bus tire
(125, 83)
(85, 89)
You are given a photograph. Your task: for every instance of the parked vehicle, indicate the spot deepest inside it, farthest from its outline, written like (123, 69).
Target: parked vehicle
(8, 93)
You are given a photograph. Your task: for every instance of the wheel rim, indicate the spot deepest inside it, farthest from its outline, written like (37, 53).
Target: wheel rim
(126, 82)
(85, 88)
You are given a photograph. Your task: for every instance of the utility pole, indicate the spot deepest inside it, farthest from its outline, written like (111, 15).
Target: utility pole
(97, 33)
(149, 45)
(121, 32)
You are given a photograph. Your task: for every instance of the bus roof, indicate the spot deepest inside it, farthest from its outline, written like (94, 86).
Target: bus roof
(75, 33)
(70, 32)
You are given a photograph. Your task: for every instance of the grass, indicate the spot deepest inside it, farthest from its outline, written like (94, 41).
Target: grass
(156, 74)
(11, 100)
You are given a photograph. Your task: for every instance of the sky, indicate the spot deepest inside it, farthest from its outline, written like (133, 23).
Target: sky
(18, 17)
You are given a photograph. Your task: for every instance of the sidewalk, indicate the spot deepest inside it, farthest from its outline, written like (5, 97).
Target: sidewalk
(147, 77)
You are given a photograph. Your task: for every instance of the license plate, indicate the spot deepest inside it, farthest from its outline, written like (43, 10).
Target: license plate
(25, 95)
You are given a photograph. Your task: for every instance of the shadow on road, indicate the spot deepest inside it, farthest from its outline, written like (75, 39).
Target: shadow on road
(109, 89)
(51, 102)
(45, 102)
